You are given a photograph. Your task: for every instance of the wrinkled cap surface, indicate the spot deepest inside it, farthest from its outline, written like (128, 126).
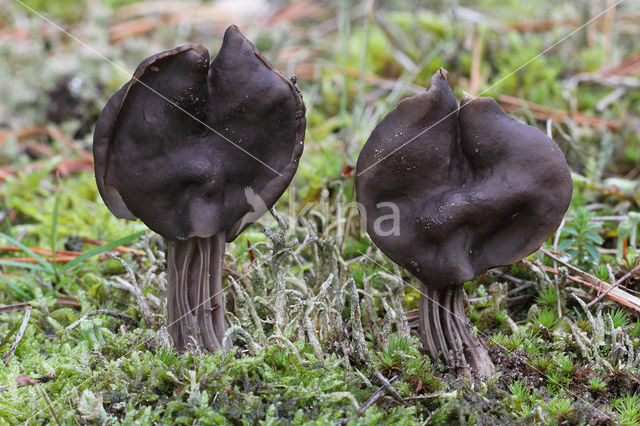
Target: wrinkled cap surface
(474, 189)
(194, 148)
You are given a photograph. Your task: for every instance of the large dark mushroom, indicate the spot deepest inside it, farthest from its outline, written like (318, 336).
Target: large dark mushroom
(198, 151)
(472, 188)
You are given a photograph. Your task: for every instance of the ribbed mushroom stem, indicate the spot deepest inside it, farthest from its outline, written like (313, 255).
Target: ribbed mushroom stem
(445, 329)
(194, 292)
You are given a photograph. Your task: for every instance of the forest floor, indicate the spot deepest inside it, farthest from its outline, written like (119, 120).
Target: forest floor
(76, 346)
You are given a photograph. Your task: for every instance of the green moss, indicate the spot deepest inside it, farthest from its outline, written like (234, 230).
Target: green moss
(558, 364)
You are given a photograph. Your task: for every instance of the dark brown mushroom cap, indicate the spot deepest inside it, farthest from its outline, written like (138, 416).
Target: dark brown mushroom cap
(193, 148)
(474, 190)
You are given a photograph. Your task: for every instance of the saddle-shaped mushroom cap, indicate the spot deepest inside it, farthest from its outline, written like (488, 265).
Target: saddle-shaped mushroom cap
(185, 146)
(475, 188)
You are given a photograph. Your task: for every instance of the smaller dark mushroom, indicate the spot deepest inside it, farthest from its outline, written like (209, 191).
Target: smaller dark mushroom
(473, 188)
(198, 151)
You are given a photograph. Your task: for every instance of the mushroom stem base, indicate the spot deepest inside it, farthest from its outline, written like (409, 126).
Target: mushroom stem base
(445, 330)
(194, 292)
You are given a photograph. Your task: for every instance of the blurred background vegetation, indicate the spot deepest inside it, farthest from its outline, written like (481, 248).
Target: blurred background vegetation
(354, 60)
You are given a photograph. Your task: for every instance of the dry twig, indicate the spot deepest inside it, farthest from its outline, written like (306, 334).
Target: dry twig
(515, 105)
(616, 284)
(387, 385)
(376, 395)
(589, 281)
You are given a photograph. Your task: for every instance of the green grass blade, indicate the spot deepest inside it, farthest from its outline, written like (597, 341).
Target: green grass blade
(359, 104)
(47, 266)
(54, 231)
(54, 223)
(15, 263)
(7, 338)
(14, 287)
(99, 250)
(344, 56)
